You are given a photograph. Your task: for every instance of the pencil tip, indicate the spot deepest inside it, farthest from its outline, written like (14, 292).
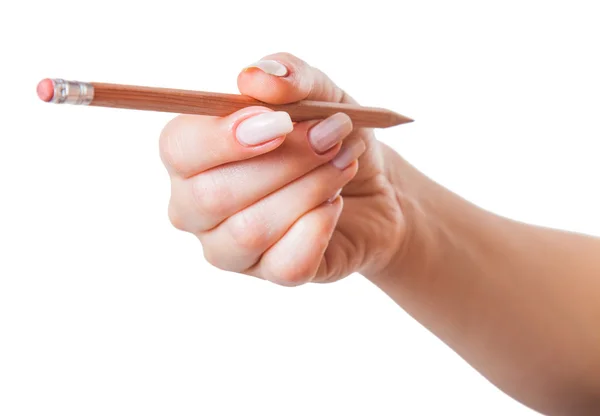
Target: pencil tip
(400, 119)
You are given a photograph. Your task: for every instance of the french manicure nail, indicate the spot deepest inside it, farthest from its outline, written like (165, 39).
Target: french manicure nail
(334, 197)
(348, 153)
(329, 132)
(270, 67)
(263, 127)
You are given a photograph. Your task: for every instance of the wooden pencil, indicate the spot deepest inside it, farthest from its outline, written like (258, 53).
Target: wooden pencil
(203, 103)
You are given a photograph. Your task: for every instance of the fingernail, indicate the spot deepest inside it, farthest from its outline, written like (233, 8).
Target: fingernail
(329, 132)
(348, 154)
(334, 197)
(264, 127)
(270, 67)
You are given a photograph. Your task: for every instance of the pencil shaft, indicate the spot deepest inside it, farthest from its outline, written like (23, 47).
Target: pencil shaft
(219, 104)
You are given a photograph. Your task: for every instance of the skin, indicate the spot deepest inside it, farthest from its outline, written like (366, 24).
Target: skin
(519, 303)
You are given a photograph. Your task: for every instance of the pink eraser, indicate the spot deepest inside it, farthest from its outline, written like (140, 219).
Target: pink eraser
(45, 90)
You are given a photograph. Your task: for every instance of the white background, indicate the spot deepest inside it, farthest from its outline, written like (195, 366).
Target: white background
(105, 309)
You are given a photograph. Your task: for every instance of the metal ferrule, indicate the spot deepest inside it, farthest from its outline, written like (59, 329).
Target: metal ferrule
(72, 92)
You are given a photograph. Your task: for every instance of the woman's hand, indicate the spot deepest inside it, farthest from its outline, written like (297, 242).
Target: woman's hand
(517, 302)
(261, 193)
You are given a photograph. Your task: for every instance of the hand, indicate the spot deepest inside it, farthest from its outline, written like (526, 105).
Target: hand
(261, 193)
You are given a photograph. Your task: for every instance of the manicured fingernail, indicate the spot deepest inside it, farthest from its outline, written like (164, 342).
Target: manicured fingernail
(329, 132)
(270, 67)
(334, 197)
(348, 153)
(264, 127)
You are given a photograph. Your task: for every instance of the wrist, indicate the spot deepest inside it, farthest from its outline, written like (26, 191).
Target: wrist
(434, 219)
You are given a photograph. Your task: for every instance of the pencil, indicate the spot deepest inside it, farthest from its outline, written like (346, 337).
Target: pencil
(132, 97)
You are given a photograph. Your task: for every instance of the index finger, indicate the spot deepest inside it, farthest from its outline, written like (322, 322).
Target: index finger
(192, 144)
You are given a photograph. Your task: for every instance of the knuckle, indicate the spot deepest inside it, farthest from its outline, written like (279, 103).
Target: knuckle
(171, 148)
(213, 257)
(248, 233)
(294, 273)
(175, 218)
(221, 256)
(288, 274)
(211, 198)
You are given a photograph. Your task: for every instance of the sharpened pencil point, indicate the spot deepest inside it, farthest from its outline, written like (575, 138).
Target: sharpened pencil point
(400, 119)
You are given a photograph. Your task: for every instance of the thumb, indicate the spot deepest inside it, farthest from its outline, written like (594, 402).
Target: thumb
(282, 78)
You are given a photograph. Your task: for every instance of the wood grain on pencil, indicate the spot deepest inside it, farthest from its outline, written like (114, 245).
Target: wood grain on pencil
(217, 104)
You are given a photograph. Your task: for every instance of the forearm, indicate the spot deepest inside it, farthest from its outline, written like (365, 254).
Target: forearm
(519, 303)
